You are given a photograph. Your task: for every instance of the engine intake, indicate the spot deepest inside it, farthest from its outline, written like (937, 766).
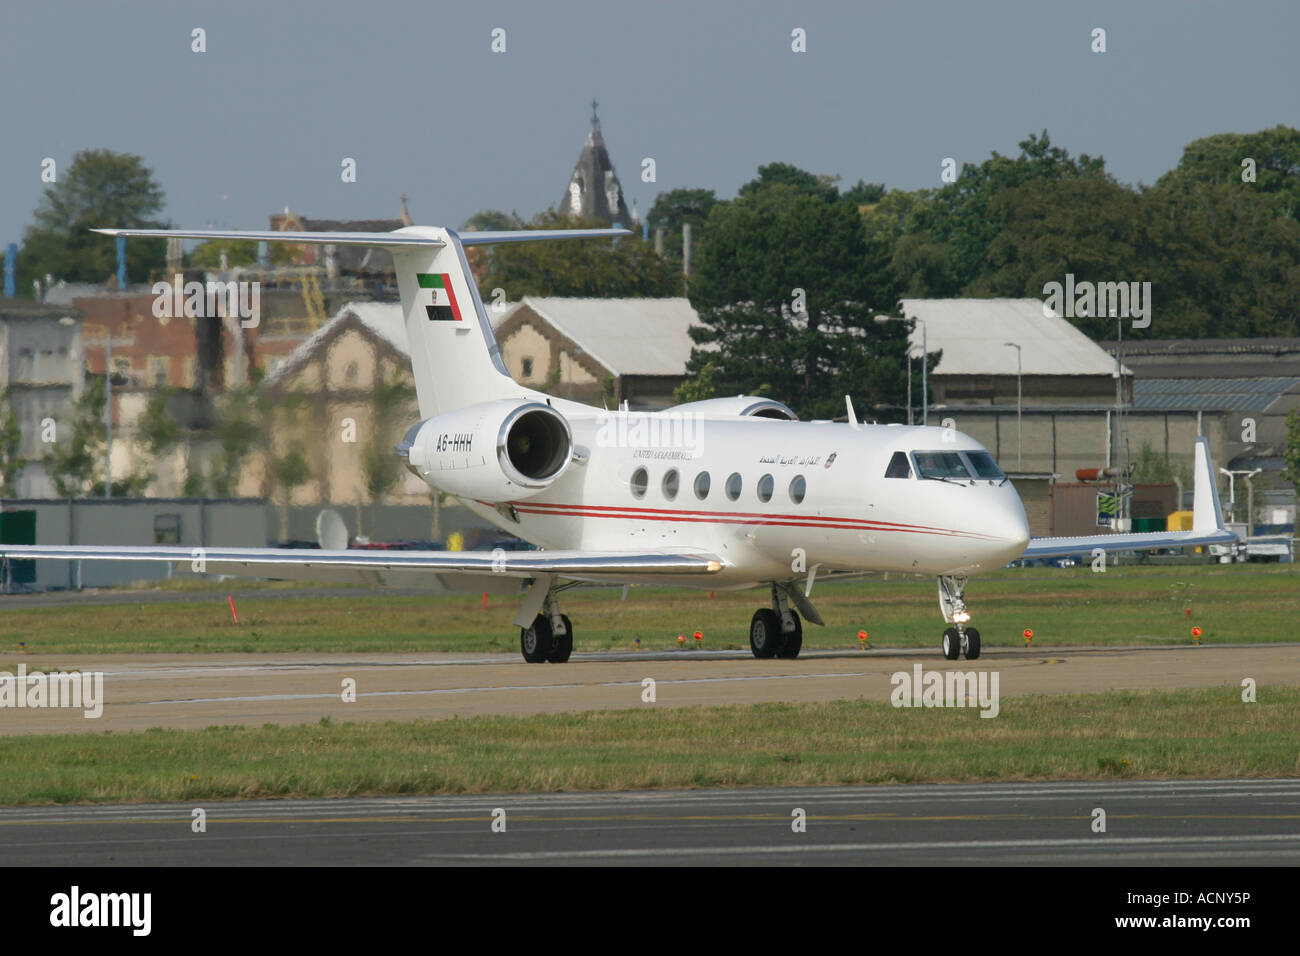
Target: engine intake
(534, 445)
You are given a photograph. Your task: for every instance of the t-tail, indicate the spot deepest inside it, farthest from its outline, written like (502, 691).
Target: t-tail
(455, 359)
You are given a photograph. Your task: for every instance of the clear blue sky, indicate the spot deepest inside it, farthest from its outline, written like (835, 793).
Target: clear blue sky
(412, 91)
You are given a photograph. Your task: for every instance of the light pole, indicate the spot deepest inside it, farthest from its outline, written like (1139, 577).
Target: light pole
(1019, 466)
(1232, 492)
(925, 388)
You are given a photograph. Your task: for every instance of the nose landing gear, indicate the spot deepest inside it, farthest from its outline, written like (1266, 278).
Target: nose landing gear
(959, 638)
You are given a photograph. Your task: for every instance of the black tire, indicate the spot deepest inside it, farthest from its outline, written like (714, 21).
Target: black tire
(537, 642)
(972, 643)
(563, 643)
(792, 643)
(951, 644)
(765, 633)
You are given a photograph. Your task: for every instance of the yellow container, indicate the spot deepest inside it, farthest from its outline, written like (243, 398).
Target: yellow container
(1179, 521)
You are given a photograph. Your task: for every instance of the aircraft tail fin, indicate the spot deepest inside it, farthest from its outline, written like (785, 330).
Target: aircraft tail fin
(454, 354)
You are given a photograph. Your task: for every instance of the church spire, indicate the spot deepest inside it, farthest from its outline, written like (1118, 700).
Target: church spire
(594, 191)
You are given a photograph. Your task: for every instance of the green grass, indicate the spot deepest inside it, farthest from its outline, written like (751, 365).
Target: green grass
(1188, 733)
(1125, 605)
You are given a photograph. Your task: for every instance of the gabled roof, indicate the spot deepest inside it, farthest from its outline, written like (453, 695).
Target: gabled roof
(626, 336)
(382, 319)
(972, 333)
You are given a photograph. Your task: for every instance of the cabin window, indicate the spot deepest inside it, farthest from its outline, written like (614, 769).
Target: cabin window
(798, 488)
(640, 481)
(702, 485)
(898, 466)
(670, 484)
(734, 484)
(765, 486)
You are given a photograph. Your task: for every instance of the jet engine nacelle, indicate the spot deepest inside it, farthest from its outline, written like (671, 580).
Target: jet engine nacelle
(739, 406)
(494, 451)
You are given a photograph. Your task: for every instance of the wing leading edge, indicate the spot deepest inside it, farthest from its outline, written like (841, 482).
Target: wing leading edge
(1207, 523)
(370, 567)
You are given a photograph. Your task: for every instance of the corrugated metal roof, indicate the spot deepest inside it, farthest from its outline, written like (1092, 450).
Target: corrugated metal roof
(627, 336)
(971, 333)
(1210, 394)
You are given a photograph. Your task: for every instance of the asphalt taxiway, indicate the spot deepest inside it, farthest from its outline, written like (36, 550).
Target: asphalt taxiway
(1215, 823)
(202, 690)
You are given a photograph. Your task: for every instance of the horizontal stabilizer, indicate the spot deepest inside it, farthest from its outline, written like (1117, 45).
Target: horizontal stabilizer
(1207, 523)
(390, 240)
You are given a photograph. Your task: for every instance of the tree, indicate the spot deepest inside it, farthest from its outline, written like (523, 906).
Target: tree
(392, 403)
(1217, 160)
(626, 267)
(1291, 456)
(784, 298)
(11, 441)
(99, 188)
(238, 252)
(672, 210)
(954, 226)
(75, 463)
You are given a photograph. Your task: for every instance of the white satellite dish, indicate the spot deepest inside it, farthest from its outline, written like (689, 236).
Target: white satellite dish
(331, 532)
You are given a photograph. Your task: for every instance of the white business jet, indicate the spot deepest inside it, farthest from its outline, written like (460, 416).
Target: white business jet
(727, 493)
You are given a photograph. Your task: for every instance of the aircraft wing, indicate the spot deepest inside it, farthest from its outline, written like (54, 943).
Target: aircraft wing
(384, 567)
(1207, 523)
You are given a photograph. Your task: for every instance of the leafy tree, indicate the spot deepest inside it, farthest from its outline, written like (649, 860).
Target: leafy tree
(239, 252)
(800, 180)
(807, 350)
(11, 440)
(99, 188)
(1291, 455)
(674, 209)
(392, 403)
(863, 193)
(703, 385)
(626, 267)
(1217, 160)
(74, 465)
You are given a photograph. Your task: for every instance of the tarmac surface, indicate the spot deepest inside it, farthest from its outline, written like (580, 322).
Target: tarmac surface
(202, 690)
(1148, 823)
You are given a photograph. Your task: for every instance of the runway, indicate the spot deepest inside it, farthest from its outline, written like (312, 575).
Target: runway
(194, 691)
(1221, 822)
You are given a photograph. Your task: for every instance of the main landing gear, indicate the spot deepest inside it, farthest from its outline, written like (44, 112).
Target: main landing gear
(959, 638)
(550, 637)
(776, 631)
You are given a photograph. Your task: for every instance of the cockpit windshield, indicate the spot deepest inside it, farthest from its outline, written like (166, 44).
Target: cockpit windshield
(984, 465)
(940, 464)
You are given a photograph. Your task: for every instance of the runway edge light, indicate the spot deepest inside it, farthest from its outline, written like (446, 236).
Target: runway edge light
(699, 639)
(1196, 635)
(862, 639)
(1029, 636)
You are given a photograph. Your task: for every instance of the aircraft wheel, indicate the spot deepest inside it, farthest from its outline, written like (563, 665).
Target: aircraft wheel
(765, 633)
(951, 644)
(792, 643)
(536, 641)
(972, 643)
(563, 643)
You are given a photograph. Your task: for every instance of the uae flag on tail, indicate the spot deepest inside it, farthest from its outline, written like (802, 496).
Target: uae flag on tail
(444, 307)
